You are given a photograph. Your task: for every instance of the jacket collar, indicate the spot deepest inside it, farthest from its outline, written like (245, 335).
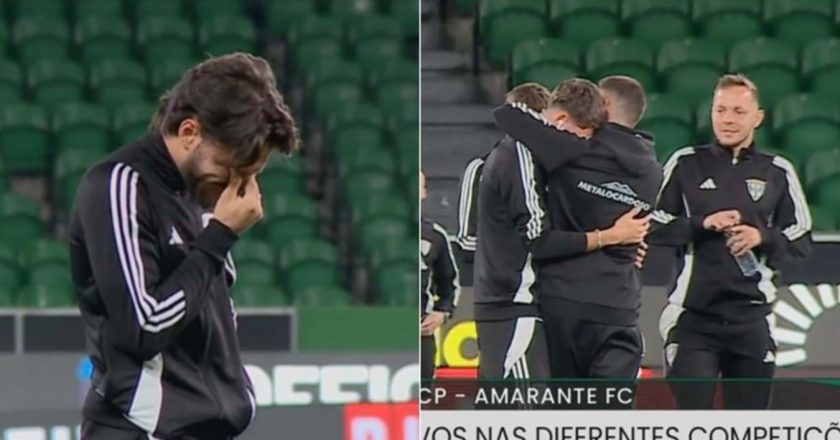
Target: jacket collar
(726, 152)
(163, 164)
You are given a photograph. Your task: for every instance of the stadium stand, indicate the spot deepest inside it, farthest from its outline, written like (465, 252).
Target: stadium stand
(79, 77)
(676, 48)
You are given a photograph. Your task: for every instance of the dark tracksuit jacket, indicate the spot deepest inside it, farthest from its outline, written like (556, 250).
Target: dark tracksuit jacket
(514, 231)
(702, 180)
(439, 273)
(592, 182)
(468, 204)
(152, 275)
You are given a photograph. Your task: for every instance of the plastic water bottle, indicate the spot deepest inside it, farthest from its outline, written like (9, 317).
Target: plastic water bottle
(748, 263)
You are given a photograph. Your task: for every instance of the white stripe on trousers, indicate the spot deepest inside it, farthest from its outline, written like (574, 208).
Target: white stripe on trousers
(523, 334)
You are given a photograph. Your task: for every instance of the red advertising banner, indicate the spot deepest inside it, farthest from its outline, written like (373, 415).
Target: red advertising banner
(381, 421)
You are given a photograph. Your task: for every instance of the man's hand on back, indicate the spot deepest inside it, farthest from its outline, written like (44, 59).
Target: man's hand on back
(627, 229)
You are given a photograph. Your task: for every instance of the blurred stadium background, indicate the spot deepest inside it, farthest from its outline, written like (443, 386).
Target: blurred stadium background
(327, 281)
(475, 50)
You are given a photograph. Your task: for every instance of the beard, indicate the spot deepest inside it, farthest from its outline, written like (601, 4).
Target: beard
(202, 187)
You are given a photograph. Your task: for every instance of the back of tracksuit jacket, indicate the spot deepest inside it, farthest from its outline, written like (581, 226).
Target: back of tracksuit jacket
(510, 212)
(610, 174)
(152, 274)
(765, 189)
(468, 205)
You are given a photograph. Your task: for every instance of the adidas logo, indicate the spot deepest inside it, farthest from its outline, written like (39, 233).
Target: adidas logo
(769, 357)
(620, 187)
(175, 237)
(708, 184)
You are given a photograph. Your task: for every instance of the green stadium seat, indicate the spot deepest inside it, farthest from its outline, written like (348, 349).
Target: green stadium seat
(394, 95)
(307, 250)
(38, 38)
(208, 10)
(670, 120)
(406, 14)
(690, 68)
(356, 138)
(799, 21)
(379, 230)
(4, 36)
(10, 275)
(228, 34)
(70, 165)
(824, 219)
(584, 21)
(103, 38)
(283, 14)
(504, 23)
(310, 54)
(156, 8)
(283, 174)
(38, 8)
(393, 70)
(165, 37)
(549, 75)
(280, 205)
(372, 26)
(703, 119)
(827, 194)
(408, 144)
(771, 64)
(24, 137)
(365, 159)
(621, 56)
(118, 82)
(373, 52)
(281, 230)
(42, 295)
(543, 54)
(350, 11)
(325, 97)
(821, 66)
(360, 185)
(252, 295)
(405, 118)
(11, 81)
(322, 296)
(334, 72)
(46, 260)
(165, 75)
(351, 114)
(56, 81)
(314, 27)
(656, 21)
(131, 121)
(98, 8)
(404, 252)
(255, 261)
(20, 223)
(806, 124)
(81, 125)
(464, 6)
(398, 285)
(822, 165)
(381, 204)
(728, 21)
(312, 275)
